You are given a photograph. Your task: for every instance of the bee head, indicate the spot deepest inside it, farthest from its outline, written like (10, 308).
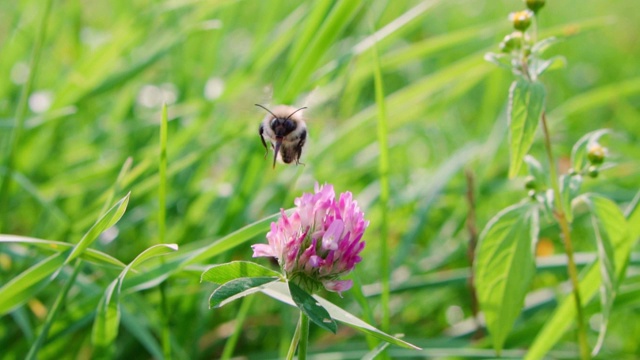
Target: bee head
(281, 126)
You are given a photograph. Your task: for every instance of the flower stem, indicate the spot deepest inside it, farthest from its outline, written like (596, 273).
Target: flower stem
(560, 216)
(295, 339)
(304, 337)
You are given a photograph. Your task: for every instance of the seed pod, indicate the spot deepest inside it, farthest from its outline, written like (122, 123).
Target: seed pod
(596, 154)
(530, 183)
(521, 19)
(593, 171)
(535, 5)
(511, 42)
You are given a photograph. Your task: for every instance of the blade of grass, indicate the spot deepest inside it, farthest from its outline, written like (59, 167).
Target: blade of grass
(162, 230)
(240, 318)
(324, 37)
(53, 313)
(383, 174)
(21, 112)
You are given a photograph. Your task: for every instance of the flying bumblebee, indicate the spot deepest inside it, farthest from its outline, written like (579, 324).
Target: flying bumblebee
(286, 131)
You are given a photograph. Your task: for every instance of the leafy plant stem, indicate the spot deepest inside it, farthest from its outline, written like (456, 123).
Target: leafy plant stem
(560, 216)
(53, 313)
(296, 338)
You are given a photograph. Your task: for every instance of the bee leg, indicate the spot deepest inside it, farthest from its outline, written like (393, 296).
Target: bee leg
(261, 131)
(303, 138)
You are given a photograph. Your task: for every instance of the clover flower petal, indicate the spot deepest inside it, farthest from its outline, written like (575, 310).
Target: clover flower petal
(319, 241)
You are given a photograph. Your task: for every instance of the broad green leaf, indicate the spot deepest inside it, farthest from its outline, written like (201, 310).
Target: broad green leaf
(542, 45)
(310, 307)
(24, 286)
(501, 60)
(106, 221)
(236, 289)
(220, 274)
(540, 66)
(526, 103)
(609, 227)
(504, 266)
(569, 188)
(564, 316)
(107, 322)
(59, 246)
(579, 152)
(280, 291)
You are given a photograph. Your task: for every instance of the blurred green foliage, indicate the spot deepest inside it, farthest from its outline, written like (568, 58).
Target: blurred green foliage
(106, 67)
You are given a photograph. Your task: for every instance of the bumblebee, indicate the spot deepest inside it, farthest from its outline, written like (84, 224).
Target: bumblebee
(284, 128)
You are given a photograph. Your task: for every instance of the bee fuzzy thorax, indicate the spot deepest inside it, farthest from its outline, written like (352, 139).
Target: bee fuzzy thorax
(284, 128)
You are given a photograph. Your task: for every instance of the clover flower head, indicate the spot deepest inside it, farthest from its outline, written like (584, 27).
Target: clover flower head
(319, 241)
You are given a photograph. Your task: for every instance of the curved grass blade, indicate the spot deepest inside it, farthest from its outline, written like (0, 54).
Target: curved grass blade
(59, 246)
(280, 291)
(106, 221)
(105, 327)
(24, 286)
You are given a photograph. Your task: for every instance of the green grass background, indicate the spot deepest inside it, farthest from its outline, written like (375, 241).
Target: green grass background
(94, 106)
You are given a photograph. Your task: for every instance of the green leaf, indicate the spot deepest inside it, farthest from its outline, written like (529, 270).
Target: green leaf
(609, 227)
(107, 322)
(24, 286)
(579, 152)
(106, 221)
(542, 45)
(312, 308)
(504, 266)
(539, 66)
(220, 274)
(564, 316)
(238, 288)
(569, 188)
(280, 291)
(501, 60)
(526, 103)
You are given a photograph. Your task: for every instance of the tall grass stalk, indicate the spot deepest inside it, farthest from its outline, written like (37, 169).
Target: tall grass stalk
(53, 313)
(162, 230)
(21, 112)
(230, 345)
(383, 173)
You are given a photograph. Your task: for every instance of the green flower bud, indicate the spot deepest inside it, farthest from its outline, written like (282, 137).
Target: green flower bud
(511, 42)
(530, 183)
(534, 5)
(521, 19)
(531, 194)
(593, 171)
(596, 154)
